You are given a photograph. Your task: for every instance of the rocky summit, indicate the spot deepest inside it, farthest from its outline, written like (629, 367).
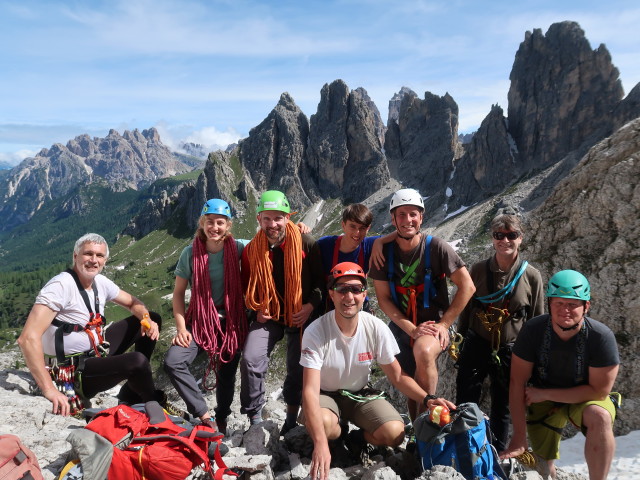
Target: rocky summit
(259, 451)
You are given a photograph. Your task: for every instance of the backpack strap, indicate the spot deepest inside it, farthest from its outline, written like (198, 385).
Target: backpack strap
(336, 253)
(429, 287)
(390, 272)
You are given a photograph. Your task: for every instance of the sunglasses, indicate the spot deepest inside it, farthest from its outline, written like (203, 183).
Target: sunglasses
(346, 288)
(509, 235)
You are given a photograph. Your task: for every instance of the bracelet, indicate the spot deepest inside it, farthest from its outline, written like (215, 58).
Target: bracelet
(427, 398)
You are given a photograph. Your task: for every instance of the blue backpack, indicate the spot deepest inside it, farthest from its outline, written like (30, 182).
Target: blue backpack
(463, 444)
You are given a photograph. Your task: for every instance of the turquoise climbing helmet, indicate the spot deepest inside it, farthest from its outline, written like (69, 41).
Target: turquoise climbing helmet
(273, 200)
(569, 284)
(217, 206)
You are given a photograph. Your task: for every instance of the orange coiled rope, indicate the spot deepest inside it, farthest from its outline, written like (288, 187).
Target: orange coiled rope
(261, 294)
(220, 342)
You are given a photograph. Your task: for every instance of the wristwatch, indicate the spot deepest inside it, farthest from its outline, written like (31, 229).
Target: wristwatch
(427, 398)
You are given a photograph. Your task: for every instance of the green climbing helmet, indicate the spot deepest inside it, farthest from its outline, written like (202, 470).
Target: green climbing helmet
(569, 284)
(273, 200)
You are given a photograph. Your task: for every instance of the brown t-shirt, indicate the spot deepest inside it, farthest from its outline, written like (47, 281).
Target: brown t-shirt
(444, 261)
(526, 302)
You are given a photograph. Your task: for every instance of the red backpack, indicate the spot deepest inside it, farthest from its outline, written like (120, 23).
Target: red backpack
(17, 461)
(150, 446)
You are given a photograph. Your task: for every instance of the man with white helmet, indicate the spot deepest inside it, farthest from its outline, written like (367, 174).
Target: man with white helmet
(563, 368)
(412, 290)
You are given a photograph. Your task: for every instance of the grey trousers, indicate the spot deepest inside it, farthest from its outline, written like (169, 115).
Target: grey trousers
(261, 339)
(176, 364)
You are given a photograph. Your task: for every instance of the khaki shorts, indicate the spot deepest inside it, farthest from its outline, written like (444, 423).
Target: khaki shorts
(545, 421)
(369, 415)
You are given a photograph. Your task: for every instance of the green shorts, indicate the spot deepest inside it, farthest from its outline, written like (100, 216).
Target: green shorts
(546, 420)
(369, 415)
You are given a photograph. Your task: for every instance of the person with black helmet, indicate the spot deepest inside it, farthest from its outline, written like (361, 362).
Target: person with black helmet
(412, 291)
(215, 321)
(338, 351)
(563, 368)
(282, 276)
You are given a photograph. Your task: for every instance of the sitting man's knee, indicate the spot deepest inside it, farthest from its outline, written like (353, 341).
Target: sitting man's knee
(427, 353)
(594, 416)
(390, 434)
(138, 361)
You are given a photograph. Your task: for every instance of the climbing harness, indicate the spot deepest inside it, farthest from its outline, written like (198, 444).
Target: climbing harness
(580, 372)
(411, 292)
(66, 370)
(493, 318)
(367, 394)
(96, 322)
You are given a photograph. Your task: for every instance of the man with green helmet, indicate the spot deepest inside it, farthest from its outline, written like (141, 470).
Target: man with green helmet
(563, 368)
(282, 278)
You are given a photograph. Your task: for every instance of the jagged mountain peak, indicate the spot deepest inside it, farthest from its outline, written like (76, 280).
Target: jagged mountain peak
(132, 160)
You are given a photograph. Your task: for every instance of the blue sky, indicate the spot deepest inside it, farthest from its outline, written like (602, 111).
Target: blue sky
(210, 70)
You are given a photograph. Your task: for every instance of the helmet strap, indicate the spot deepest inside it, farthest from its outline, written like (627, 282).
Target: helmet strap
(572, 327)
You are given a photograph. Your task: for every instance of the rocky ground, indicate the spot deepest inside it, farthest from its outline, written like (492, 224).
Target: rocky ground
(259, 450)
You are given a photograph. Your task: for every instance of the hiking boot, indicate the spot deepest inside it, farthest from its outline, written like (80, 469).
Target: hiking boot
(222, 426)
(286, 427)
(358, 446)
(169, 407)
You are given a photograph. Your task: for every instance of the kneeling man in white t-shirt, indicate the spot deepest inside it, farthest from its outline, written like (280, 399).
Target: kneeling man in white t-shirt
(338, 350)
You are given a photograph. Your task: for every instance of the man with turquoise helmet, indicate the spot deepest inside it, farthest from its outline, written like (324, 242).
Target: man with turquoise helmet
(282, 277)
(563, 368)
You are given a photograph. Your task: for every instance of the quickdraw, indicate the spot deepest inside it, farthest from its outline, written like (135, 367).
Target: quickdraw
(492, 320)
(454, 346)
(65, 378)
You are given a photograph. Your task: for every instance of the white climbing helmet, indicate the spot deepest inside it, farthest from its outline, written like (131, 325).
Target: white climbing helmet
(406, 196)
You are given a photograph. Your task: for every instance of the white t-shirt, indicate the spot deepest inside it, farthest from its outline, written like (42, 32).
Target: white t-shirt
(345, 362)
(61, 295)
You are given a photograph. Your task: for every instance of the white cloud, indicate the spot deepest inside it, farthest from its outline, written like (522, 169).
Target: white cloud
(210, 137)
(14, 158)
(165, 27)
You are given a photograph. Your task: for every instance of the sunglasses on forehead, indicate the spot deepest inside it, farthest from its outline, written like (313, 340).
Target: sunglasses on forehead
(345, 288)
(509, 235)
